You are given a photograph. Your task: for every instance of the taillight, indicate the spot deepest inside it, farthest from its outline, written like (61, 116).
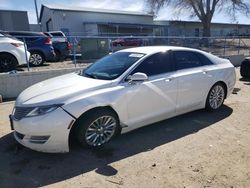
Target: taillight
(48, 41)
(69, 46)
(17, 44)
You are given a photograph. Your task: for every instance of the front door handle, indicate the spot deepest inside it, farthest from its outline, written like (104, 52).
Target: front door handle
(204, 71)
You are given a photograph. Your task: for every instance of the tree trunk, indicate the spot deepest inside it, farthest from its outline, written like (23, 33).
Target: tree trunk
(206, 32)
(206, 29)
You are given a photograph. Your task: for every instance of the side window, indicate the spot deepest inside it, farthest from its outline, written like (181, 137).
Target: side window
(159, 63)
(204, 59)
(186, 59)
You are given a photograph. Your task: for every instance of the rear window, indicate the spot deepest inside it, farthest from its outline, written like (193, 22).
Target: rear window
(188, 59)
(47, 34)
(57, 34)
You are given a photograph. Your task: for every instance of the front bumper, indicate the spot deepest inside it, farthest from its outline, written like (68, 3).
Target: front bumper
(20, 55)
(47, 133)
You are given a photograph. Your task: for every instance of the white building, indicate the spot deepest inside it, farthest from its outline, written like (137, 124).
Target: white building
(89, 21)
(195, 29)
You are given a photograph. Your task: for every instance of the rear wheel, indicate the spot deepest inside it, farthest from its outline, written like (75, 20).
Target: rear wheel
(97, 128)
(7, 62)
(58, 56)
(36, 59)
(245, 69)
(216, 97)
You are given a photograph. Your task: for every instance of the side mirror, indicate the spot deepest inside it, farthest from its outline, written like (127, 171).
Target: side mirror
(138, 77)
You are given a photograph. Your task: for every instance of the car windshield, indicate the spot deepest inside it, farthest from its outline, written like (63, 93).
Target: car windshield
(112, 66)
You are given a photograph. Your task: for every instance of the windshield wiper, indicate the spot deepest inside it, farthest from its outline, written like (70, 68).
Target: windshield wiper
(90, 75)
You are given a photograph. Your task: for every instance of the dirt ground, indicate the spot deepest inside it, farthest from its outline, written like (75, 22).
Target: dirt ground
(198, 149)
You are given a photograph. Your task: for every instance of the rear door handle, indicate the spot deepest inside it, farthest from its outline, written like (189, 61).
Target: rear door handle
(206, 72)
(169, 79)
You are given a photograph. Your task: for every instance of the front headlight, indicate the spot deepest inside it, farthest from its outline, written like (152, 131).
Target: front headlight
(41, 110)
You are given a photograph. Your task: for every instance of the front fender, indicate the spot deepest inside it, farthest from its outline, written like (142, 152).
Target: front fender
(112, 97)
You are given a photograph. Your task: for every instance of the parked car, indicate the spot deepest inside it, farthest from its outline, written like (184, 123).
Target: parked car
(127, 42)
(245, 68)
(38, 44)
(120, 92)
(12, 53)
(60, 44)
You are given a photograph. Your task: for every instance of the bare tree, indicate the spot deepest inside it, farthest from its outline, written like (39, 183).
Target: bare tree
(204, 9)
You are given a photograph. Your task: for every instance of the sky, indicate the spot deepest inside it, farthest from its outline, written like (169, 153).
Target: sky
(167, 13)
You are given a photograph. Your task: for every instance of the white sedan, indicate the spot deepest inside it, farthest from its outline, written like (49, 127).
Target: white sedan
(120, 92)
(12, 53)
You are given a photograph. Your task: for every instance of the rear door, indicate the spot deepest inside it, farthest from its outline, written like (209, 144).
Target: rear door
(194, 79)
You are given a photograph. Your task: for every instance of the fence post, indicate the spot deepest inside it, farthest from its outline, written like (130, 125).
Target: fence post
(225, 40)
(74, 52)
(239, 46)
(26, 57)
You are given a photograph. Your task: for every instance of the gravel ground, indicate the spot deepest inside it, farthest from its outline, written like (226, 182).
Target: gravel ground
(198, 149)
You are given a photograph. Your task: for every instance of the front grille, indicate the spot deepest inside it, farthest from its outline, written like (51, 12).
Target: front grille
(21, 112)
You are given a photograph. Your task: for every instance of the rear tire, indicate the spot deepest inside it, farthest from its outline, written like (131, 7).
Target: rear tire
(97, 128)
(58, 56)
(245, 69)
(36, 59)
(216, 97)
(7, 62)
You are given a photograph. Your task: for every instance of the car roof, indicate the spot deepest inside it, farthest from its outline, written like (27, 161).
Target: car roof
(149, 50)
(26, 33)
(155, 49)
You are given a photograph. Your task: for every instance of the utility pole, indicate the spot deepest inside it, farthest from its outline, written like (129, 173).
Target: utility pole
(37, 16)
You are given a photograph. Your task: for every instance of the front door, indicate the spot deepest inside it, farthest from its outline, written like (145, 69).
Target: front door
(155, 99)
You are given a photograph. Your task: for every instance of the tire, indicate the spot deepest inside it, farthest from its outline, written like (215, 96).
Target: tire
(216, 97)
(7, 62)
(36, 59)
(245, 69)
(58, 56)
(89, 134)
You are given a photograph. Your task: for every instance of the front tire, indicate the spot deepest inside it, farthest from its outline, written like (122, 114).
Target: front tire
(97, 128)
(216, 97)
(36, 59)
(7, 62)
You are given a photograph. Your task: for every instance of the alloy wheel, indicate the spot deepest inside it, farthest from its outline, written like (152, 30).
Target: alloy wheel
(36, 59)
(216, 97)
(100, 130)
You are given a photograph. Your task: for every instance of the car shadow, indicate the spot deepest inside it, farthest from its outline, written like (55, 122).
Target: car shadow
(246, 81)
(22, 167)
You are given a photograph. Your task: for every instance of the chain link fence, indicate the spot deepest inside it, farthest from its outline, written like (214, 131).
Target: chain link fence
(83, 50)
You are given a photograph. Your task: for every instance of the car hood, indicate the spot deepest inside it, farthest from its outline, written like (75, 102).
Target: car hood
(57, 90)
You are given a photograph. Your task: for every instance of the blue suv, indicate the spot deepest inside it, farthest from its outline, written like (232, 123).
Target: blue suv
(38, 44)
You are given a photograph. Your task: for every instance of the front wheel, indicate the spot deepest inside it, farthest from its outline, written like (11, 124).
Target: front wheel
(216, 97)
(7, 62)
(97, 128)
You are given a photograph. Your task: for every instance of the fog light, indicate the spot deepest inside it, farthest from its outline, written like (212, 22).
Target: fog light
(39, 139)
